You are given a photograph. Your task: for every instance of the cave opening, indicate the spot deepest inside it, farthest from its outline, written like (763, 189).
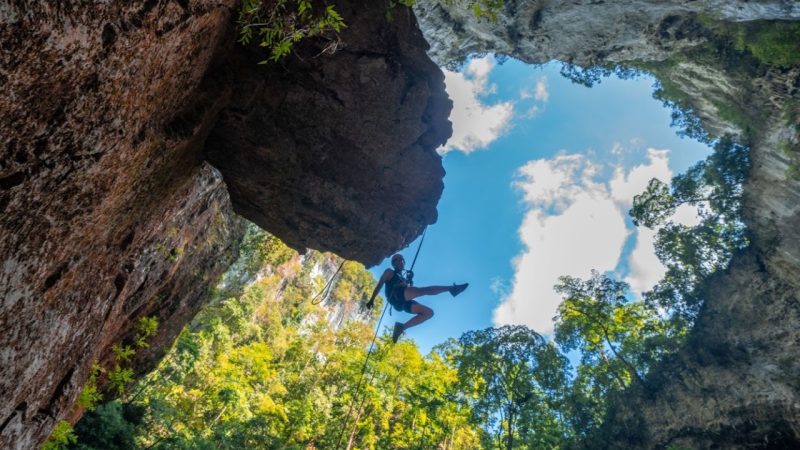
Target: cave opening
(549, 183)
(542, 171)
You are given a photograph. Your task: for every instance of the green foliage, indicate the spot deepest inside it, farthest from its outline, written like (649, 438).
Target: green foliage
(771, 42)
(692, 253)
(90, 396)
(118, 378)
(61, 437)
(683, 116)
(590, 76)
(279, 24)
(481, 9)
(619, 341)
(511, 378)
(264, 368)
(146, 327)
(122, 353)
(112, 426)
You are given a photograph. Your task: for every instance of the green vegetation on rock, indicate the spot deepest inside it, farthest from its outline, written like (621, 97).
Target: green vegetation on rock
(771, 42)
(278, 24)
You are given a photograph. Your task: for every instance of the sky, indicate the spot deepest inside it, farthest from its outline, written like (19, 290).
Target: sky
(540, 175)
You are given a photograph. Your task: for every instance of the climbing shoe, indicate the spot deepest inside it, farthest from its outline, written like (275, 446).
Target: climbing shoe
(398, 330)
(458, 288)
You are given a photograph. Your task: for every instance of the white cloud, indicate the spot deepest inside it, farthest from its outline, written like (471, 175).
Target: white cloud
(475, 124)
(541, 92)
(686, 215)
(644, 267)
(499, 287)
(576, 223)
(625, 186)
(572, 226)
(532, 112)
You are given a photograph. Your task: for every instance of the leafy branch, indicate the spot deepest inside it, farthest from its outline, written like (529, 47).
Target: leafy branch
(279, 24)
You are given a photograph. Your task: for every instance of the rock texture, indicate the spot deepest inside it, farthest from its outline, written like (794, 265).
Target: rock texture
(346, 143)
(109, 212)
(582, 32)
(735, 384)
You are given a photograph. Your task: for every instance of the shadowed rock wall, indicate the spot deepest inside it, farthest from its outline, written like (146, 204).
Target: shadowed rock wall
(108, 212)
(347, 143)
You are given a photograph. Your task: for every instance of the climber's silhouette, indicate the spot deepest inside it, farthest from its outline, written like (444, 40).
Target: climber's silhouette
(401, 294)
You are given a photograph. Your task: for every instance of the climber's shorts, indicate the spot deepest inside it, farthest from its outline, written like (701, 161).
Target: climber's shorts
(399, 302)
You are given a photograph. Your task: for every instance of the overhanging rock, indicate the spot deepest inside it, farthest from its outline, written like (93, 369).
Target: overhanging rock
(338, 152)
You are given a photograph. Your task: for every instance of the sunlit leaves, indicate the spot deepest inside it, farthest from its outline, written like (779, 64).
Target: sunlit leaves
(279, 24)
(263, 367)
(619, 341)
(692, 253)
(511, 377)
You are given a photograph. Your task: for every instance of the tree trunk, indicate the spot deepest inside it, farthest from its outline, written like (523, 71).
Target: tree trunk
(510, 439)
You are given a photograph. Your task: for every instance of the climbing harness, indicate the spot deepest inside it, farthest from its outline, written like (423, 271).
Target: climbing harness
(409, 274)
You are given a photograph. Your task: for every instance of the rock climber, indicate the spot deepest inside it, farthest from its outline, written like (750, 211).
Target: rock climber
(401, 294)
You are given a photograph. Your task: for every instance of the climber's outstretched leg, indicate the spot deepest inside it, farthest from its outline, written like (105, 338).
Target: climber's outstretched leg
(412, 292)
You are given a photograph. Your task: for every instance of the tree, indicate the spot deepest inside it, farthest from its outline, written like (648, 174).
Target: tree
(266, 367)
(692, 253)
(618, 340)
(512, 378)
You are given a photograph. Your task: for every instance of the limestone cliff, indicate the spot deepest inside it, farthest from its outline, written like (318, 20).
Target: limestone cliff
(735, 384)
(108, 111)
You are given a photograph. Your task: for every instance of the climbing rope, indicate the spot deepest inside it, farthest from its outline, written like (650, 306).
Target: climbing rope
(323, 294)
(410, 276)
(361, 377)
(419, 247)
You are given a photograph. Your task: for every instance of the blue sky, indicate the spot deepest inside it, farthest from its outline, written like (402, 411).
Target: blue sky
(540, 175)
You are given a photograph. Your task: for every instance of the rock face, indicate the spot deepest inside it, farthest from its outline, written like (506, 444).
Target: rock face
(346, 143)
(735, 383)
(108, 213)
(111, 214)
(582, 32)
